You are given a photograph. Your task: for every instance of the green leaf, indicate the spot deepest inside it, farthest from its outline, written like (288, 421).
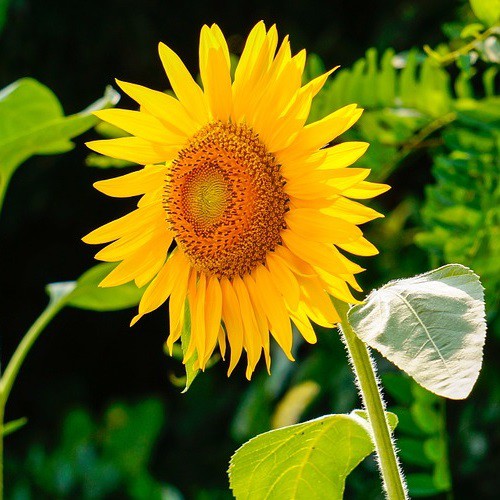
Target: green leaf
(431, 326)
(32, 122)
(421, 485)
(190, 365)
(14, 425)
(303, 461)
(487, 11)
(88, 295)
(412, 452)
(398, 386)
(4, 8)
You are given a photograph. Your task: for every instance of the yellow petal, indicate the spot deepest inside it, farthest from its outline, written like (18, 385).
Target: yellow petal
(317, 304)
(131, 243)
(134, 149)
(275, 310)
(318, 134)
(283, 279)
(177, 303)
(315, 85)
(134, 221)
(252, 67)
(215, 75)
(301, 321)
(298, 266)
(213, 312)
(314, 253)
(192, 302)
(221, 42)
(150, 259)
(198, 325)
(352, 267)
(140, 124)
(161, 287)
(289, 125)
(261, 318)
(321, 183)
(365, 190)
(351, 211)
(166, 108)
(317, 226)
(231, 315)
(337, 287)
(361, 246)
(186, 89)
(343, 155)
(221, 338)
(149, 178)
(252, 340)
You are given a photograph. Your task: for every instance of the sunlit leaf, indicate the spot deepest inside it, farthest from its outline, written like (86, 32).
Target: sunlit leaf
(487, 11)
(32, 122)
(303, 461)
(431, 326)
(88, 295)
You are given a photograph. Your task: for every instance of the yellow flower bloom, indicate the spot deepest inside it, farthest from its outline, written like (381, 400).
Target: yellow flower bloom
(243, 210)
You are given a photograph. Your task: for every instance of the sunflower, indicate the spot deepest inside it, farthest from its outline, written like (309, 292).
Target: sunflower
(244, 213)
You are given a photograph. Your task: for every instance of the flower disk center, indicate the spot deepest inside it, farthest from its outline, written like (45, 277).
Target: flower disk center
(225, 200)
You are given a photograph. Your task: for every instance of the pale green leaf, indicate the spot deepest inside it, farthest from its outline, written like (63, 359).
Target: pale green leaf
(305, 461)
(32, 122)
(88, 295)
(431, 326)
(487, 11)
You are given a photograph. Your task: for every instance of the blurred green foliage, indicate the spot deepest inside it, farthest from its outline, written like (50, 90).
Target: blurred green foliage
(92, 459)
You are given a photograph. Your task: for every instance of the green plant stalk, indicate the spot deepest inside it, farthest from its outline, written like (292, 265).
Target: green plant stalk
(364, 370)
(15, 363)
(4, 182)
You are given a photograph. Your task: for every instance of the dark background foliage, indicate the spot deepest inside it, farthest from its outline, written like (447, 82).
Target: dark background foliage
(87, 361)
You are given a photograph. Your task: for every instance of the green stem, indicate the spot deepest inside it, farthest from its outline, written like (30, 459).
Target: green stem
(4, 181)
(2, 408)
(15, 363)
(364, 370)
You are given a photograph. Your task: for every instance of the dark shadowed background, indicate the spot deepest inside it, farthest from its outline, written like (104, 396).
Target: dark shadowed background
(90, 360)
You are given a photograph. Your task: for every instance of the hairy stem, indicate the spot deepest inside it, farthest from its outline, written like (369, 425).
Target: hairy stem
(15, 363)
(364, 370)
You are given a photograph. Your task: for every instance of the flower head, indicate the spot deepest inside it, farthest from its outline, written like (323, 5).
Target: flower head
(242, 208)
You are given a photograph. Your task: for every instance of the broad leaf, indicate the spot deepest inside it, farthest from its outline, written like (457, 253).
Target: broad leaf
(304, 461)
(431, 326)
(32, 122)
(88, 295)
